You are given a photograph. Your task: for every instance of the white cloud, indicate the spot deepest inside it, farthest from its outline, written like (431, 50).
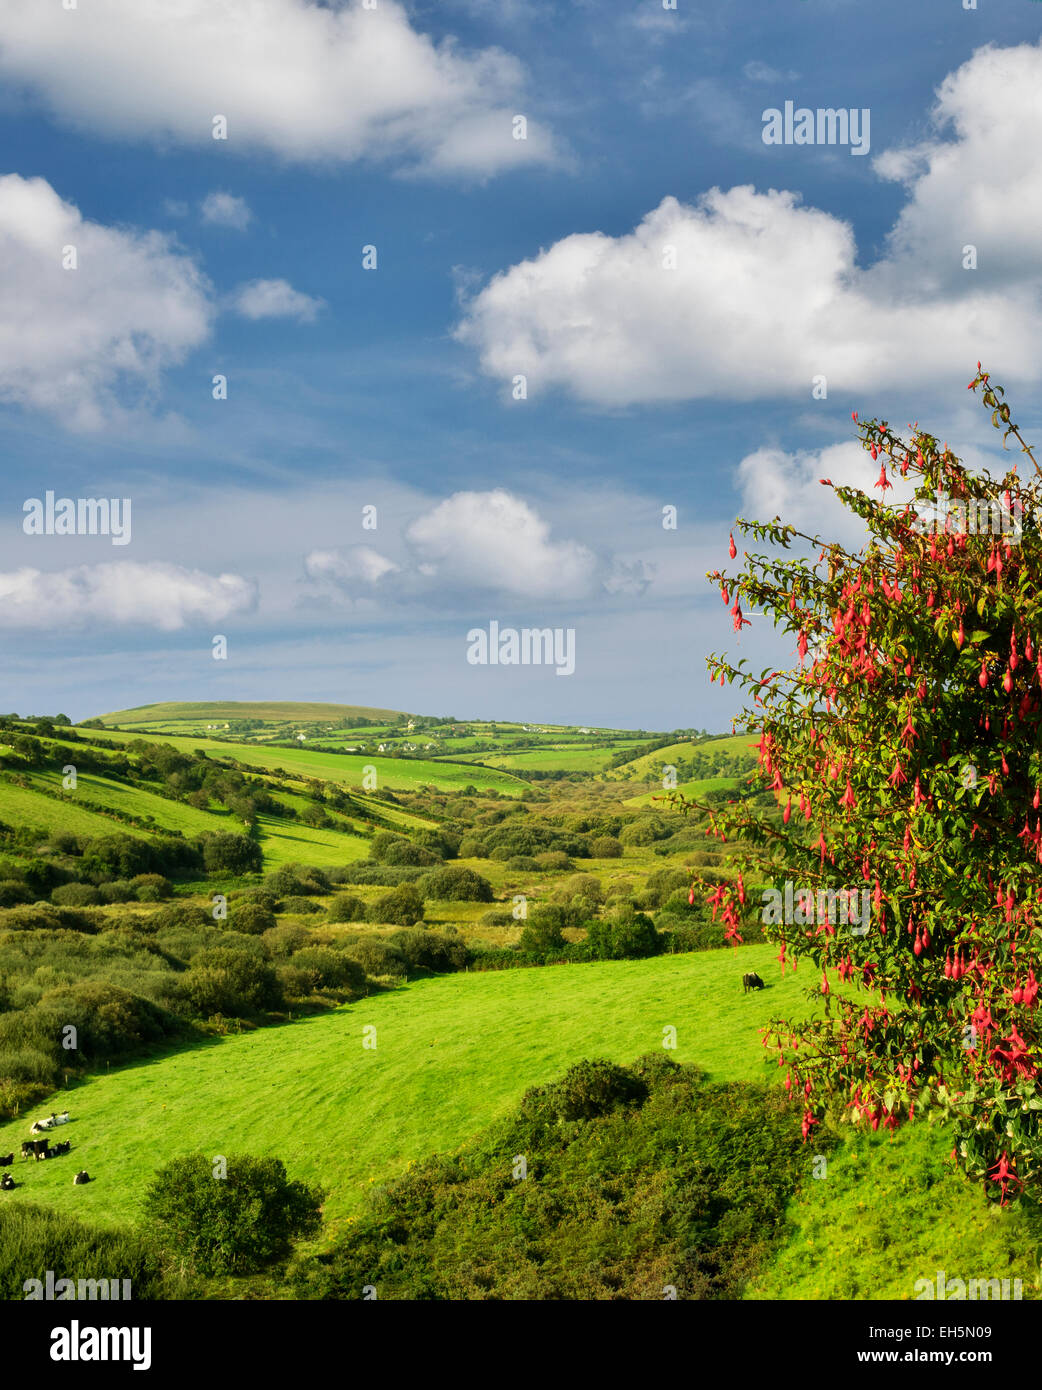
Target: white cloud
(226, 210)
(71, 339)
(154, 594)
(767, 294)
(494, 540)
(305, 81)
(358, 566)
(275, 299)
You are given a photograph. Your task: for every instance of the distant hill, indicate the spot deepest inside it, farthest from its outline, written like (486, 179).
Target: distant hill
(245, 709)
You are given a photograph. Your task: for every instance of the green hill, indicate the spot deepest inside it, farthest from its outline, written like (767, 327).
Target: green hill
(173, 711)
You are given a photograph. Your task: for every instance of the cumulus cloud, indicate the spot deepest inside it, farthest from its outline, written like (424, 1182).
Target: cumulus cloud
(774, 482)
(226, 210)
(155, 594)
(75, 341)
(495, 540)
(275, 299)
(472, 542)
(307, 81)
(766, 294)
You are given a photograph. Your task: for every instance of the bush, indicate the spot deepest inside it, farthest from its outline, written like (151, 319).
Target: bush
(235, 1224)
(430, 950)
(229, 981)
(605, 847)
(285, 939)
(377, 957)
(226, 852)
(402, 907)
(454, 883)
(117, 890)
(346, 907)
(305, 905)
(77, 895)
(626, 935)
(592, 1087)
(553, 861)
(152, 888)
(330, 969)
(252, 918)
(13, 893)
(644, 831)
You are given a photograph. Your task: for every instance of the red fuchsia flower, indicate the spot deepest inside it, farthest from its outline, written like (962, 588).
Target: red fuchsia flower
(897, 777)
(983, 677)
(808, 1120)
(848, 798)
(1005, 1176)
(731, 548)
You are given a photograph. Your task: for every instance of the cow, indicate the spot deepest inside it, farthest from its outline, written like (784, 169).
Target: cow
(60, 1149)
(40, 1127)
(81, 1177)
(62, 1119)
(7, 1160)
(7, 1183)
(751, 981)
(27, 1149)
(41, 1149)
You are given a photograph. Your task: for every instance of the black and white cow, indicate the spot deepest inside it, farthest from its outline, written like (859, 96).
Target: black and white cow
(751, 981)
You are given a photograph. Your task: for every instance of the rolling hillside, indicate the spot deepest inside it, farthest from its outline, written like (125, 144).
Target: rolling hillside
(168, 713)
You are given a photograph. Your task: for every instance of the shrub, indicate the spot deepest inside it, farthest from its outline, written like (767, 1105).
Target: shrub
(285, 939)
(117, 890)
(229, 981)
(77, 895)
(553, 861)
(346, 907)
(152, 888)
(330, 969)
(627, 935)
(455, 883)
(605, 847)
(401, 907)
(252, 918)
(643, 832)
(226, 852)
(304, 905)
(13, 892)
(430, 950)
(236, 1224)
(377, 957)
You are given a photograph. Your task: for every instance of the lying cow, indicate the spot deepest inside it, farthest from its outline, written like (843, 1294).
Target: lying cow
(5, 1162)
(751, 981)
(81, 1177)
(62, 1119)
(40, 1127)
(60, 1149)
(7, 1183)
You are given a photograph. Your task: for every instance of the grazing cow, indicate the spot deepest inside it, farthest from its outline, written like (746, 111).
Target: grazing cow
(81, 1177)
(6, 1161)
(751, 981)
(7, 1183)
(41, 1149)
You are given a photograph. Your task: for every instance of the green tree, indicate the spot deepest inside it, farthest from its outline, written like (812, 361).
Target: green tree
(235, 1223)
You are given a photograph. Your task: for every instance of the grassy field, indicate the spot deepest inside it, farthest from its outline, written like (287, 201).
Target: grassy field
(692, 790)
(455, 1052)
(345, 769)
(452, 1053)
(648, 767)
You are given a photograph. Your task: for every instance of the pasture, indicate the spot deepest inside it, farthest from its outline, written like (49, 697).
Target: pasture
(452, 1053)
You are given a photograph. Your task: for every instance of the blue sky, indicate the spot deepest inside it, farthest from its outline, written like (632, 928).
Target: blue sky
(391, 388)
